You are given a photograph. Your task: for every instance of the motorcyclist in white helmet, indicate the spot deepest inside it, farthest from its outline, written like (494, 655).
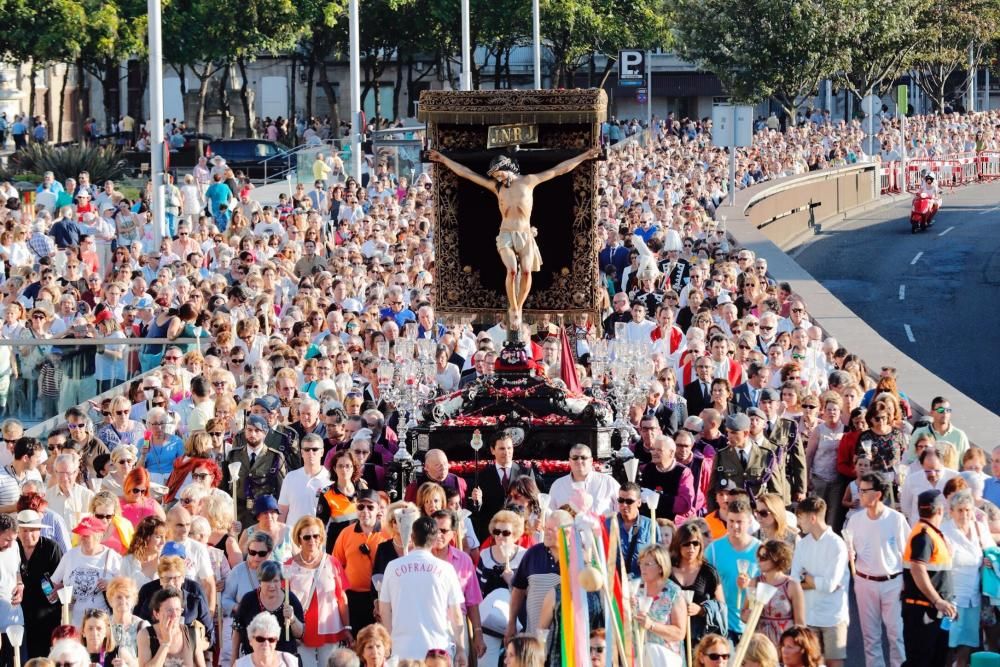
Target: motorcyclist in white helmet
(930, 187)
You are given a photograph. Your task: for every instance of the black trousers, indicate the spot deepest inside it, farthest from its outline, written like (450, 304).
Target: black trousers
(926, 643)
(360, 609)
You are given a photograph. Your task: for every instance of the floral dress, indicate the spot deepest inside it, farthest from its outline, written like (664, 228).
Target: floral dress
(659, 612)
(777, 615)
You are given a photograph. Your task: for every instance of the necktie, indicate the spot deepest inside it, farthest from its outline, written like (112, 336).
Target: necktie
(704, 392)
(253, 457)
(505, 480)
(743, 457)
(756, 396)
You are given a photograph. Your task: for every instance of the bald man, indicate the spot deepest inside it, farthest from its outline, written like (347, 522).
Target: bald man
(436, 470)
(195, 553)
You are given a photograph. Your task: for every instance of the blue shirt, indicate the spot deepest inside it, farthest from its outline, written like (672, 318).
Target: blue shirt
(991, 490)
(401, 318)
(631, 541)
(160, 458)
(56, 187)
(723, 556)
(217, 193)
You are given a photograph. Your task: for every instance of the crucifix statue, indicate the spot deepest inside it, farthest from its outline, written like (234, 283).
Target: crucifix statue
(516, 240)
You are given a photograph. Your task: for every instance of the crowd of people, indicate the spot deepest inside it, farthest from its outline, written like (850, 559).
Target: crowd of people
(232, 504)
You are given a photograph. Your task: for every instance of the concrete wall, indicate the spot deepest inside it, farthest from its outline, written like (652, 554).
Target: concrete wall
(840, 192)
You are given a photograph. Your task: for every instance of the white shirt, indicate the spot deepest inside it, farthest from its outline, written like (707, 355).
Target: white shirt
(915, 484)
(199, 564)
(298, 493)
(83, 572)
(639, 331)
(825, 560)
(878, 543)
(10, 565)
(420, 576)
(72, 507)
(601, 487)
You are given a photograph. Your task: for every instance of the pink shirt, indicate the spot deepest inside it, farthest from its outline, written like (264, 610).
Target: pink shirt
(466, 576)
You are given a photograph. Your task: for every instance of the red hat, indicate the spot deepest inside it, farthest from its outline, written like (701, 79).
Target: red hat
(102, 316)
(90, 525)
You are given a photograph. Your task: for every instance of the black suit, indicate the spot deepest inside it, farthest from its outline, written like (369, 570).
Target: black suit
(743, 397)
(494, 495)
(696, 402)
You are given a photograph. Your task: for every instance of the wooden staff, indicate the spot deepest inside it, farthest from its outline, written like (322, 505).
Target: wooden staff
(288, 605)
(689, 597)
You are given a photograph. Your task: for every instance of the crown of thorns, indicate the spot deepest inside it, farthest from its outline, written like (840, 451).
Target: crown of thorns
(503, 163)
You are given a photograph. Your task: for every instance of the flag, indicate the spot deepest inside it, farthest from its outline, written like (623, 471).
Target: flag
(567, 366)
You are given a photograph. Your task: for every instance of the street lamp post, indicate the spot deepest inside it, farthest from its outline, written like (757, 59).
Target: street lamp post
(355, 58)
(536, 40)
(466, 83)
(157, 146)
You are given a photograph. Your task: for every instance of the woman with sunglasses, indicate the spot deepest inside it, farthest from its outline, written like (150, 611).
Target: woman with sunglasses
(137, 503)
(788, 606)
(769, 511)
(243, 577)
(712, 651)
(161, 447)
(315, 577)
(123, 460)
(266, 634)
(883, 443)
(269, 598)
(266, 511)
(499, 560)
(693, 573)
(168, 641)
(104, 505)
(120, 429)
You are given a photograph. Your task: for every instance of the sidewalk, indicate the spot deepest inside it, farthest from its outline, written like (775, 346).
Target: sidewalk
(267, 195)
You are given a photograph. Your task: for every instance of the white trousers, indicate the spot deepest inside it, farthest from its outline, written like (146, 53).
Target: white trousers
(878, 603)
(316, 656)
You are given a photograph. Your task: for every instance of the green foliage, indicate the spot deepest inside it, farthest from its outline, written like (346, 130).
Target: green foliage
(885, 45)
(767, 48)
(102, 162)
(43, 30)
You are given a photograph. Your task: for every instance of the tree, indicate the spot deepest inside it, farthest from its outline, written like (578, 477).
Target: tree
(767, 48)
(885, 45)
(947, 31)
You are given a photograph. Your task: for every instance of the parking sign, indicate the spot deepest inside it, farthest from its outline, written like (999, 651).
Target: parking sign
(631, 67)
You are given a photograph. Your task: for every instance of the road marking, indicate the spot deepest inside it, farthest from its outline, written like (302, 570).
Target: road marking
(902, 292)
(909, 333)
(917, 258)
(946, 231)
(990, 210)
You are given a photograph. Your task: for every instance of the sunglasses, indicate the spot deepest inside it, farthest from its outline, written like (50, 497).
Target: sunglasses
(579, 458)
(627, 501)
(366, 508)
(716, 657)
(943, 411)
(310, 538)
(104, 517)
(269, 640)
(763, 513)
(259, 554)
(140, 492)
(497, 532)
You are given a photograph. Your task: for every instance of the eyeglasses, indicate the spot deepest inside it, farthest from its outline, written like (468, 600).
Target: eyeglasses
(764, 513)
(312, 449)
(716, 657)
(764, 327)
(200, 475)
(104, 517)
(943, 411)
(497, 532)
(269, 640)
(865, 490)
(216, 434)
(366, 508)
(75, 426)
(310, 538)
(259, 554)
(597, 649)
(627, 501)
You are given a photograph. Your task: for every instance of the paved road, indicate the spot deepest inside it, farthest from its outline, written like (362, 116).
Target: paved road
(934, 295)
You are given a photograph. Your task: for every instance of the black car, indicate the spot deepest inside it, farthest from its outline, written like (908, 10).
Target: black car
(256, 158)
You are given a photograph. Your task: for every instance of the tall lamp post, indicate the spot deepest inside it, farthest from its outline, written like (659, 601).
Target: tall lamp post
(355, 57)
(536, 41)
(157, 147)
(466, 83)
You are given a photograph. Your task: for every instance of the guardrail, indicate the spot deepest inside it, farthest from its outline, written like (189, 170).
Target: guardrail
(953, 171)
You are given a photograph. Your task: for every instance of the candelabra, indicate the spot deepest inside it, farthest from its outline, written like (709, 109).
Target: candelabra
(623, 367)
(408, 380)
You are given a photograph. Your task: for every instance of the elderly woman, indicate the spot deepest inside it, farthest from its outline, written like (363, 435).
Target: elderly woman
(105, 507)
(87, 568)
(120, 430)
(168, 641)
(139, 563)
(499, 561)
(122, 594)
(69, 653)
(967, 539)
(243, 578)
(265, 508)
(197, 447)
(220, 514)
(137, 503)
(266, 634)
(269, 598)
(316, 579)
(123, 460)
(374, 645)
(158, 453)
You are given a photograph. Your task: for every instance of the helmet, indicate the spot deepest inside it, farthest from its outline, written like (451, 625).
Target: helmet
(930, 175)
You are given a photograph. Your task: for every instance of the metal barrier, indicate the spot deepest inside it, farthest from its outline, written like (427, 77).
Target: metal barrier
(891, 178)
(988, 165)
(953, 171)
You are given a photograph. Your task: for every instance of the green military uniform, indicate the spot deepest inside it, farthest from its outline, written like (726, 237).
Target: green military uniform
(762, 473)
(262, 478)
(784, 436)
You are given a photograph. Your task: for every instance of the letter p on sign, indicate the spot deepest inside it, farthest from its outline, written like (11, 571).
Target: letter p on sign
(631, 67)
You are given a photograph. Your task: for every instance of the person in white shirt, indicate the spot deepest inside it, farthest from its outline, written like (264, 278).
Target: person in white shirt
(602, 488)
(639, 329)
(820, 563)
(67, 498)
(933, 475)
(300, 487)
(11, 587)
(196, 558)
(876, 537)
(419, 575)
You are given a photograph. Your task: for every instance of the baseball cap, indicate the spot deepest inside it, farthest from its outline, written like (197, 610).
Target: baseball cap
(90, 525)
(173, 549)
(932, 498)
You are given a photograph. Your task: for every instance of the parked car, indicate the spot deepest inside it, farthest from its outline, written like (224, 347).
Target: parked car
(257, 158)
